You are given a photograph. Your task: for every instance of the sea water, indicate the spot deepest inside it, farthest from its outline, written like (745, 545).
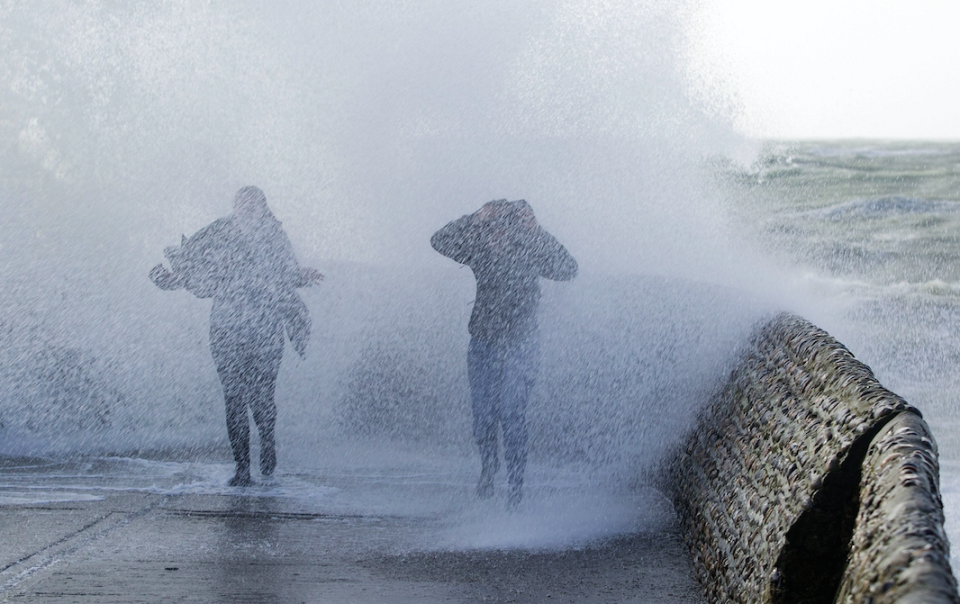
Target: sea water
(872, 230)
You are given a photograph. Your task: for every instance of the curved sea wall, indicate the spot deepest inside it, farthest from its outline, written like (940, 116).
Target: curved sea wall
(807, 481)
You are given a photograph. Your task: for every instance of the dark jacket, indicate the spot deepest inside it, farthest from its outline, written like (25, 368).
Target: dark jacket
(507, 259)
(252, 277)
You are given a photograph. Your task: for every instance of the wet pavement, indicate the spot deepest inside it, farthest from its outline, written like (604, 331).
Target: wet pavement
(121, 530)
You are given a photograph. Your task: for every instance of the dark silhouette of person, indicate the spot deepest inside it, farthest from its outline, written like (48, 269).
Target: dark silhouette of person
(245, 262)
(508, 253)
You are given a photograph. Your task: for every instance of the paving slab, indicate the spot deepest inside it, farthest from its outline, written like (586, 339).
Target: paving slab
(94, 533)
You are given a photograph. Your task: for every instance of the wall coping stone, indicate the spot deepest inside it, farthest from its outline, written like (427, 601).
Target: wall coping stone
(785, 488)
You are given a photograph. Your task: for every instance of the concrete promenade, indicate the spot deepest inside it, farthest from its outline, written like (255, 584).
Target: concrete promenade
(126, 531)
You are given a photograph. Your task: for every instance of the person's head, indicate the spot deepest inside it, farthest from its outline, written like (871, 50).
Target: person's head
(521, 213)
(508, 222)
(512, 215)
(251, 204)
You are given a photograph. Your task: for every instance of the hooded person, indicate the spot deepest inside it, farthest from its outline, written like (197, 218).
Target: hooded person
(509, 253)
(245, 262)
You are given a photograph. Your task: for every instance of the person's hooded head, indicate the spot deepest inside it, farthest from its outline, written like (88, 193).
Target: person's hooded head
(250, 204)
(511, 224)
(251, 212)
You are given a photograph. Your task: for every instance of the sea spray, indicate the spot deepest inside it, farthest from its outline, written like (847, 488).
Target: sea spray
(369, 126)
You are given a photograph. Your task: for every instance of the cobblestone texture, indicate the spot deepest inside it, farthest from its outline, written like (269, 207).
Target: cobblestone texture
(899, 551)
(768, 486)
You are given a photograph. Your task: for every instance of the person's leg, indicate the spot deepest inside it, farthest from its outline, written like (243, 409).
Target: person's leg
(521, 365)
(263, 385)
(483, 371)
(230, 368)
(238, 429)
(231, 358)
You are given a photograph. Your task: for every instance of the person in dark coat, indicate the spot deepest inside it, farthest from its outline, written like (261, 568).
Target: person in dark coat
(509, 253)
(245, 262)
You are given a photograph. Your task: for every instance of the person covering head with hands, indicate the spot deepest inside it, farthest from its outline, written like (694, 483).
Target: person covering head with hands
(508, 252)
(245, 262)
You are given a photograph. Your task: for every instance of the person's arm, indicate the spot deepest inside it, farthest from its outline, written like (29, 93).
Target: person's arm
(309, 277)
(553, 260)
(460, 239)
(288, 267)
(164, 279)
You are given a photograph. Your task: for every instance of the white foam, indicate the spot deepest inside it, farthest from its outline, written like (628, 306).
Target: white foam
(556, 521)
(282, 486)
(42, 496)
(134, 475)
(853, 290)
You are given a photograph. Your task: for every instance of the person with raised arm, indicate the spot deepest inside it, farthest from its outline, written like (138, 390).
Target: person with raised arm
(509, 252)
(245, 262)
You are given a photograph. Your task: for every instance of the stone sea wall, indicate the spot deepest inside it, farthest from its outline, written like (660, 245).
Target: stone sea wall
(807, 481)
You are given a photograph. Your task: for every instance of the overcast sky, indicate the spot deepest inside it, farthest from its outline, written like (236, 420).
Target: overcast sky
(834, 68)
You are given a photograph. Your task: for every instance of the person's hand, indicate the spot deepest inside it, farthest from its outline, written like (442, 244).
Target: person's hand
(311, 276)
(163, 278)
(526, 217)
(157, 272)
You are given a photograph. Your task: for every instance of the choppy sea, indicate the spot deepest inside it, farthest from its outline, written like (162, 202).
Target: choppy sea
(872, 230)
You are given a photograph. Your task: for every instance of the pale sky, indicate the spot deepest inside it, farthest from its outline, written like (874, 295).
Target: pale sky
(834, 68)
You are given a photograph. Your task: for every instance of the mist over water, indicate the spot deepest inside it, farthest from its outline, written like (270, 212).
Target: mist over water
(369, 125)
